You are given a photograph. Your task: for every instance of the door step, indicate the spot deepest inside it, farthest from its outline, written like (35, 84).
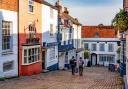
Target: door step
(45, 71)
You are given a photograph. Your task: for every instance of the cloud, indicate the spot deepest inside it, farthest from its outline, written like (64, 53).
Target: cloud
(95, 15)
(93, 12)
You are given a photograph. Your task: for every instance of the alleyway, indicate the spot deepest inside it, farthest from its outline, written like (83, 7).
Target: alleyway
(94, 78)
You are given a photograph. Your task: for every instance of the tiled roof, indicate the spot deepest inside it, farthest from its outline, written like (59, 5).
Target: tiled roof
(67, 16)
(98, 32)
(49, 4)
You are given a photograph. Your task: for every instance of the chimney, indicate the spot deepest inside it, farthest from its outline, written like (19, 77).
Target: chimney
(59, 6)
(66, 10)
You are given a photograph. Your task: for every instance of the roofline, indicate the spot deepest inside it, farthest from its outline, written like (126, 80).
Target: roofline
(49, 4)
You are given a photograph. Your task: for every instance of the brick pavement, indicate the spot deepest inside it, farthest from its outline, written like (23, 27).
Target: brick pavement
(94, 78)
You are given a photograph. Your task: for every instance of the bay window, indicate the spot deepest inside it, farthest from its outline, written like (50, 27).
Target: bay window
(31, 54)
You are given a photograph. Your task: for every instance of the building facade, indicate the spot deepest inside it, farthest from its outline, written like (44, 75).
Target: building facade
(64, 37)
(30, 37)
(125, 49)
(49, 36)
(8, 38)
(77, 43)
(102, 44)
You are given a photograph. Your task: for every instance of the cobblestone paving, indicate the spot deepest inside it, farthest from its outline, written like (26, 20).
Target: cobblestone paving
(94, 78)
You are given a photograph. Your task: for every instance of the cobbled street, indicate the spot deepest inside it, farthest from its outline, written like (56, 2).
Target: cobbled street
(93, 78)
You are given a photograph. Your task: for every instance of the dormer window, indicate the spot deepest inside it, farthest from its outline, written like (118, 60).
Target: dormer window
(96, 34)
(31, 6)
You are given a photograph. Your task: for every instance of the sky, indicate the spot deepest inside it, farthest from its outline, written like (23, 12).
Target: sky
(92, 12)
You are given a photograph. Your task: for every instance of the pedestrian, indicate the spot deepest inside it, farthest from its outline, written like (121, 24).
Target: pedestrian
(73, 65)
(81, 64)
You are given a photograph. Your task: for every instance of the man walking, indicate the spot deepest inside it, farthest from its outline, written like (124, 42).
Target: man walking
(73, 65)
(81, 63)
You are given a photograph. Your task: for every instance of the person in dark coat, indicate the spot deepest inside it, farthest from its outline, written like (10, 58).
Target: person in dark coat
(73, 65)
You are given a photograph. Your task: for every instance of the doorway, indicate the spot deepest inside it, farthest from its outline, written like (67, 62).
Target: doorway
(93, 59)
(43, 59)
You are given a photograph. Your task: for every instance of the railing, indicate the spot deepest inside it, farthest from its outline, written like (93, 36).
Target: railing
(32, 41)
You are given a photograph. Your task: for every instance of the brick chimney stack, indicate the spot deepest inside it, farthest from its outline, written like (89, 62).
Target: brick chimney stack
(66, 10)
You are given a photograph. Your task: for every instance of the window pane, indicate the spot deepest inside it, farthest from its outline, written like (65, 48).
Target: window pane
(6, 36)
(8, 66)
(25, 60)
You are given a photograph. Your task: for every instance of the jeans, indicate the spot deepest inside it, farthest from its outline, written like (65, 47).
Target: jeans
(73, 70)
(80, 70)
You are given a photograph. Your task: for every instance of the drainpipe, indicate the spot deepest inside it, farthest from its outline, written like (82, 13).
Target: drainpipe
(18, 39)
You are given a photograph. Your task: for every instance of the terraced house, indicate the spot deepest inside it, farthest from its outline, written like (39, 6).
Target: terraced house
(30, 37)
(8, 38)
(49, 36)
(66, 36)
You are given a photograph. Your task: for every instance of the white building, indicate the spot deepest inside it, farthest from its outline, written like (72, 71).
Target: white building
(49, 36)
(8, 43)
(101, 43)
(77, 43)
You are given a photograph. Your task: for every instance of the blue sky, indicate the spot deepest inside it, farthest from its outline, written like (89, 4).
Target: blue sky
(93, 12)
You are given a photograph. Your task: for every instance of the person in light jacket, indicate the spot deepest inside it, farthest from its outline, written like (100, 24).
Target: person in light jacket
(81, 64)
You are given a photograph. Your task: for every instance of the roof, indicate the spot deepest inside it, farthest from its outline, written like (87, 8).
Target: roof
(49, 4)
(67, 16)
(98, 32)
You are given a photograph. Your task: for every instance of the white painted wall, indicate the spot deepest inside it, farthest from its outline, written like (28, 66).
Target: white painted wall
(49, 62)
(46, 21)
(77, 35)
(91, 41)
(9, 16)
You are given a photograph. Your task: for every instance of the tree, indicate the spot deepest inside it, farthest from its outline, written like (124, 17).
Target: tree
(120, 21)
(86, 54)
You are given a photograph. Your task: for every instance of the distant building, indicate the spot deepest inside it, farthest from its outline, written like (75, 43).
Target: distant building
(102, 44)
(66, 36)
(8, 38)
(49, 36)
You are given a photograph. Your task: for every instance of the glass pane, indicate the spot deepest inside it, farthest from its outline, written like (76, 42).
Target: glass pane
(25, 52)
(25, 60)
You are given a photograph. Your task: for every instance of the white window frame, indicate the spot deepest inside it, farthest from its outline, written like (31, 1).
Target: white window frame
(10, 68)
(51, 30)
(86, 45)
(100, 47)
(92, 47)
(32, 5)
(11, 37)
(51, 12)
(112, 50)
(27, 56)
(52, 54)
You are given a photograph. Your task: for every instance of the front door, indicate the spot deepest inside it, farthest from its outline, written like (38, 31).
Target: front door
(43, 59)
(94, 59)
